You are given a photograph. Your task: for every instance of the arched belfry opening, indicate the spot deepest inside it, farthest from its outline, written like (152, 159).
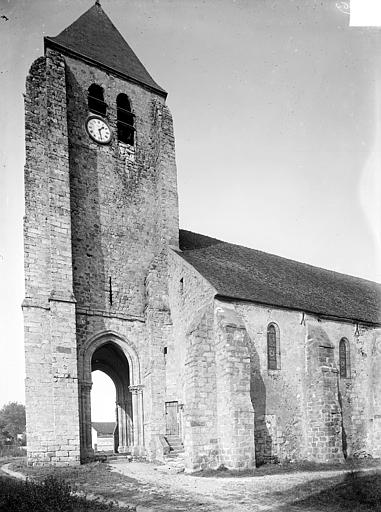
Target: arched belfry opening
(111, 354)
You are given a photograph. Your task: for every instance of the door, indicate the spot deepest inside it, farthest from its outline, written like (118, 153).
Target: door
(171, 413)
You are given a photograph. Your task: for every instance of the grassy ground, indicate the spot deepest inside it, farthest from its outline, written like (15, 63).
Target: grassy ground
(280, 469)
(50, 494)
(355, 491)
(92, 478)
(12, 451)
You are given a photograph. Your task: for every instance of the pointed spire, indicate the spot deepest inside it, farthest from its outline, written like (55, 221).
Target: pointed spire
(93, 39)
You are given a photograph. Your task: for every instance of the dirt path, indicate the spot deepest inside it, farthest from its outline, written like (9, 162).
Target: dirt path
(145, 486)
(179, 492)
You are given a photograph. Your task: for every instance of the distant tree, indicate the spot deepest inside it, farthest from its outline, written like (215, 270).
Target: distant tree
(12, 422)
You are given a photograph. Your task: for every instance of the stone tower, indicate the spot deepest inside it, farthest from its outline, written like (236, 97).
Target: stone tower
(101, 203)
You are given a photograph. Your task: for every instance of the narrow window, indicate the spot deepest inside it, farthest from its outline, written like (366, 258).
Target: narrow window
(344, 358)
(95, 100)
(125, 120)
(273, 347)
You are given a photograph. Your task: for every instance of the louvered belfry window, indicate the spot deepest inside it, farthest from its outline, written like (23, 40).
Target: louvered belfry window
(272, 349)
(343, 358)
(125, 120)
(96, 101)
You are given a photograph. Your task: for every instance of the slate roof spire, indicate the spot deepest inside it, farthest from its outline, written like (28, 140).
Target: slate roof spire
(93, 39)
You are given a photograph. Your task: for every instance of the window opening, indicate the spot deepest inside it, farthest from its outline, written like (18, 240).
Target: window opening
(344, 357)
(273, 352)
(95, 100)
(125, 120)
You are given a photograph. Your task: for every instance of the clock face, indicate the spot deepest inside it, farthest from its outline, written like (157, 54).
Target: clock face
(98, 130)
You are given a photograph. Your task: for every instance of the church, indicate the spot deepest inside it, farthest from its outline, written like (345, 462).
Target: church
(220, 354)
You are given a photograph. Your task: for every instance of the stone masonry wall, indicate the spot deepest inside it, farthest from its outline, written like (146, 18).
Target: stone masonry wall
(360, 393)
(133, 334)
(49, 307)
(324, 417)
(188, 293)
(343, 417)
(190, 362)
(235, 413)
(356, 392)
(276, 395)
(124, 210)
(159, 336)
(283, 400)
(95, 219)
(208, 373)
(374, 441)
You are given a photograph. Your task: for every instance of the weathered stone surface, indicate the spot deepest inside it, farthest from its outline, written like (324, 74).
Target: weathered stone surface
(95, 219)
(105, 288)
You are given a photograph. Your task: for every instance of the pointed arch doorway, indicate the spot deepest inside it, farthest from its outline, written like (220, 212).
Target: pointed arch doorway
(109, 358)
(112, 355)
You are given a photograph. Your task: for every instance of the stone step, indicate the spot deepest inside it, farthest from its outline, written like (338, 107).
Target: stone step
(174, 441)
(174, 455)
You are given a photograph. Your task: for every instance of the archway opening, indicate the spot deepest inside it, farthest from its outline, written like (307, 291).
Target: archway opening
(110, 360)
(103, 412)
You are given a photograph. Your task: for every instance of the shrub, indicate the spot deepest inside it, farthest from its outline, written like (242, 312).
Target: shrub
(12, 450)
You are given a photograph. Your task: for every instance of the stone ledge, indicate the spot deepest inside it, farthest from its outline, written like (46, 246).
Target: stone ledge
(107, 314)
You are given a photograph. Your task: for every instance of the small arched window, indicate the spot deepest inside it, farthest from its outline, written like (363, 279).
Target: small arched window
(95, 100)
(273, 347)
(125, 120)
(344, 358)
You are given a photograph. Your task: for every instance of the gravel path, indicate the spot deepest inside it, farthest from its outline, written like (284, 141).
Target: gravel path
(147, 487)
(180, 492)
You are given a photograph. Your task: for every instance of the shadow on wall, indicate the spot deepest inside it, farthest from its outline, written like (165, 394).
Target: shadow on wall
(89, 279)
(263, 439)
(343, 433)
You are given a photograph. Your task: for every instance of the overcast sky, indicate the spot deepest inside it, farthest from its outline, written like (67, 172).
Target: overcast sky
(276, 106)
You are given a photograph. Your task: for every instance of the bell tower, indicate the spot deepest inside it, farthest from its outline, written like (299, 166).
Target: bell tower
(101, 203)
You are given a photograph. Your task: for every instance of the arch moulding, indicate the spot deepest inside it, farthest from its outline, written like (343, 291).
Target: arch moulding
(97, 340)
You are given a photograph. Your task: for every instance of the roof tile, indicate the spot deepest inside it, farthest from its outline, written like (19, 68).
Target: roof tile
(241, 273)
(94, 38)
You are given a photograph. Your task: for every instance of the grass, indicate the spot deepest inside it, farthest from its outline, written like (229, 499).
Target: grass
(12, 451)
(97, 478)
(355, 492)
(92, 474)
(50, 494)
(287, 467)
